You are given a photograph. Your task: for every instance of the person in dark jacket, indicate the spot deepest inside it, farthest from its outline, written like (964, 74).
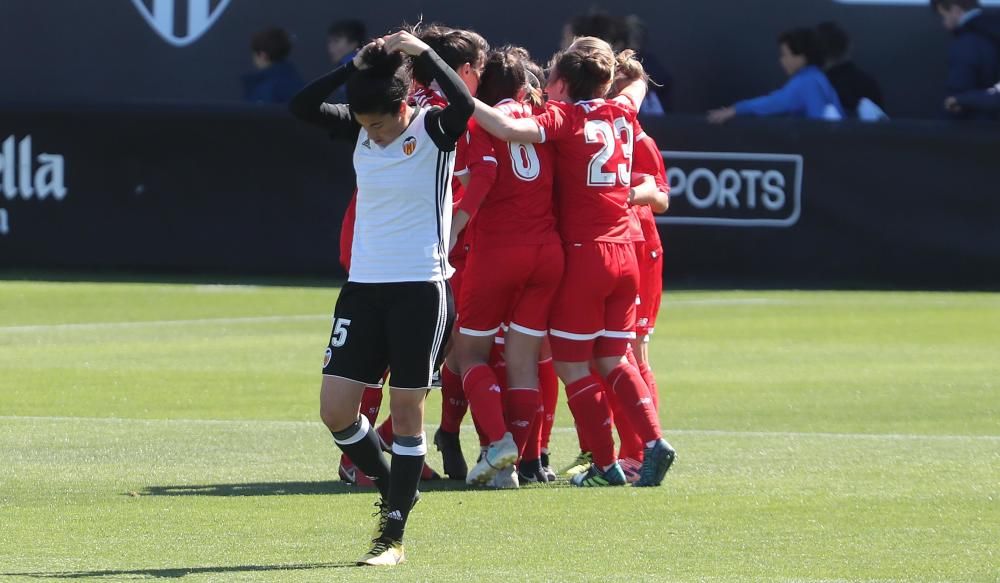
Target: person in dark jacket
(344, 39)
(851, 83)
(807, 93)
(974, 54)
(276, 80)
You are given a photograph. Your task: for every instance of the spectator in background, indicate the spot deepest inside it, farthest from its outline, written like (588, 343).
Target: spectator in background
(807, 93)
(859, 93)
(660, 99)
(986, 101)
(276, 80)
(625, 33)
(974, 54)
(343, 40)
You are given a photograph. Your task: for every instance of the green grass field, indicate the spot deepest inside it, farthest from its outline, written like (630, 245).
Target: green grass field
(171, 431)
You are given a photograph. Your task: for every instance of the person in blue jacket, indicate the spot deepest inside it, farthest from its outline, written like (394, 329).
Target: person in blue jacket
(275, 80)
(807, 93)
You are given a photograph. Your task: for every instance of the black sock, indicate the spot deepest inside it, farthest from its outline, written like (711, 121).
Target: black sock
(407, 463)
(364, 448)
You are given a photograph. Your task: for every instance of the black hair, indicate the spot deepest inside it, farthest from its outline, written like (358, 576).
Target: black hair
(963, 4)
(503, 75)
(273, 42)
(833, 40)
(381, 87)
(352, 30)
(455, 47)
(803, 42)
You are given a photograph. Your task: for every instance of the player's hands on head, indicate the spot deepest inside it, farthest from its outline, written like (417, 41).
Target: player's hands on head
(405, 43)
(359, 58)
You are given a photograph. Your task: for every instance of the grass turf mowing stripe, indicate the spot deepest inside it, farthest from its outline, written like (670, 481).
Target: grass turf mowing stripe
(723, 432)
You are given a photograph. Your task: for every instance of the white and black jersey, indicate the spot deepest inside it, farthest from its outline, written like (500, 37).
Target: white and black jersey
(396, 310)
(404, 208)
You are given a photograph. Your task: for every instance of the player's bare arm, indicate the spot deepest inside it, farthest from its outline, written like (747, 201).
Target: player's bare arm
(648, 193)
(636, 91)
(508, 129)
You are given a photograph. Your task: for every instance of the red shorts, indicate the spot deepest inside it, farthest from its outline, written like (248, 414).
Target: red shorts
(594, 311)
(650, 289)
(515, 284)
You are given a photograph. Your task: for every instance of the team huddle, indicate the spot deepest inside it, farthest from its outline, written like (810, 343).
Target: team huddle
(520, 225)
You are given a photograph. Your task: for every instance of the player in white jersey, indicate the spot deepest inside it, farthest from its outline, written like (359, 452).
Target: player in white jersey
(396, 310)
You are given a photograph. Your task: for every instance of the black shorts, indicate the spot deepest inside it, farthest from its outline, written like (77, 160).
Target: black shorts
(402, 327)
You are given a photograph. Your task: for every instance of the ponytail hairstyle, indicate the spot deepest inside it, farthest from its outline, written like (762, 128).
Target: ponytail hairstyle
(536, 83)
(382, 87)
(432, 35)
(628, 69)
(455, 47)
(505, 74)
(587, 67)
(534, 77)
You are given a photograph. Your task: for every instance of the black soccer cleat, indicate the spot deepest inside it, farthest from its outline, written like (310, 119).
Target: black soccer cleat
(451, 453)
(531, 472)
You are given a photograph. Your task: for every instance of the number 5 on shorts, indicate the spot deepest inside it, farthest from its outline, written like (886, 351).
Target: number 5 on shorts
(339, 336)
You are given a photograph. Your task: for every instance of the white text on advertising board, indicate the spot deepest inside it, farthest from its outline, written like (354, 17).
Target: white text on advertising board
(733, 189)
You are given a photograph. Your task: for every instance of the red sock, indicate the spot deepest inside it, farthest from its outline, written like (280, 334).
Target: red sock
(590, 409)
(533, 448)
(520, 405)
(650, 378)
(580, 437)
(371, 402)
(630, 444)
(484, 441)
(500, 372)
(496, 355)
(627, 384)
(483, 392)
(548, 384)
(453, 402)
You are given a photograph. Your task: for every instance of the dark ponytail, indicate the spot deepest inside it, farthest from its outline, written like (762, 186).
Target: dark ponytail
(503, 76)
(381, 87)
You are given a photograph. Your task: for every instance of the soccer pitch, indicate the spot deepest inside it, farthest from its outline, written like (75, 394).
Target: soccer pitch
(171, 431)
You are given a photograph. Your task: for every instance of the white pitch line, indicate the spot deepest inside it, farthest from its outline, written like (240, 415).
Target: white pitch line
(303, 317)
(668, 432)
(140, 324)
(726, 301)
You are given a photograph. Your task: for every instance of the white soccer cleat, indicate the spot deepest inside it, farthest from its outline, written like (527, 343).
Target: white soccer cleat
(384, 553)
(506, 479)
(499, 455)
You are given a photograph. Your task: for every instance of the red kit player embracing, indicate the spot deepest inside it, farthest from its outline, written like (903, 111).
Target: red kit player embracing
(593, 316)
(513, 272)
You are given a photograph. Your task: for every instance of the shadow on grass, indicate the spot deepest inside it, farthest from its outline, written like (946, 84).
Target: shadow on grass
(178, 572)
(286, 489)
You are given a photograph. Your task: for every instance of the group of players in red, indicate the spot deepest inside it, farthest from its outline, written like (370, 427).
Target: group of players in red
(558, 266)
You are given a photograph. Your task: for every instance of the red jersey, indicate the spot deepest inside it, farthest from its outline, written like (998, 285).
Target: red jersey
(518, 210)
(593, 144)
(648, 161)
(347, 232)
